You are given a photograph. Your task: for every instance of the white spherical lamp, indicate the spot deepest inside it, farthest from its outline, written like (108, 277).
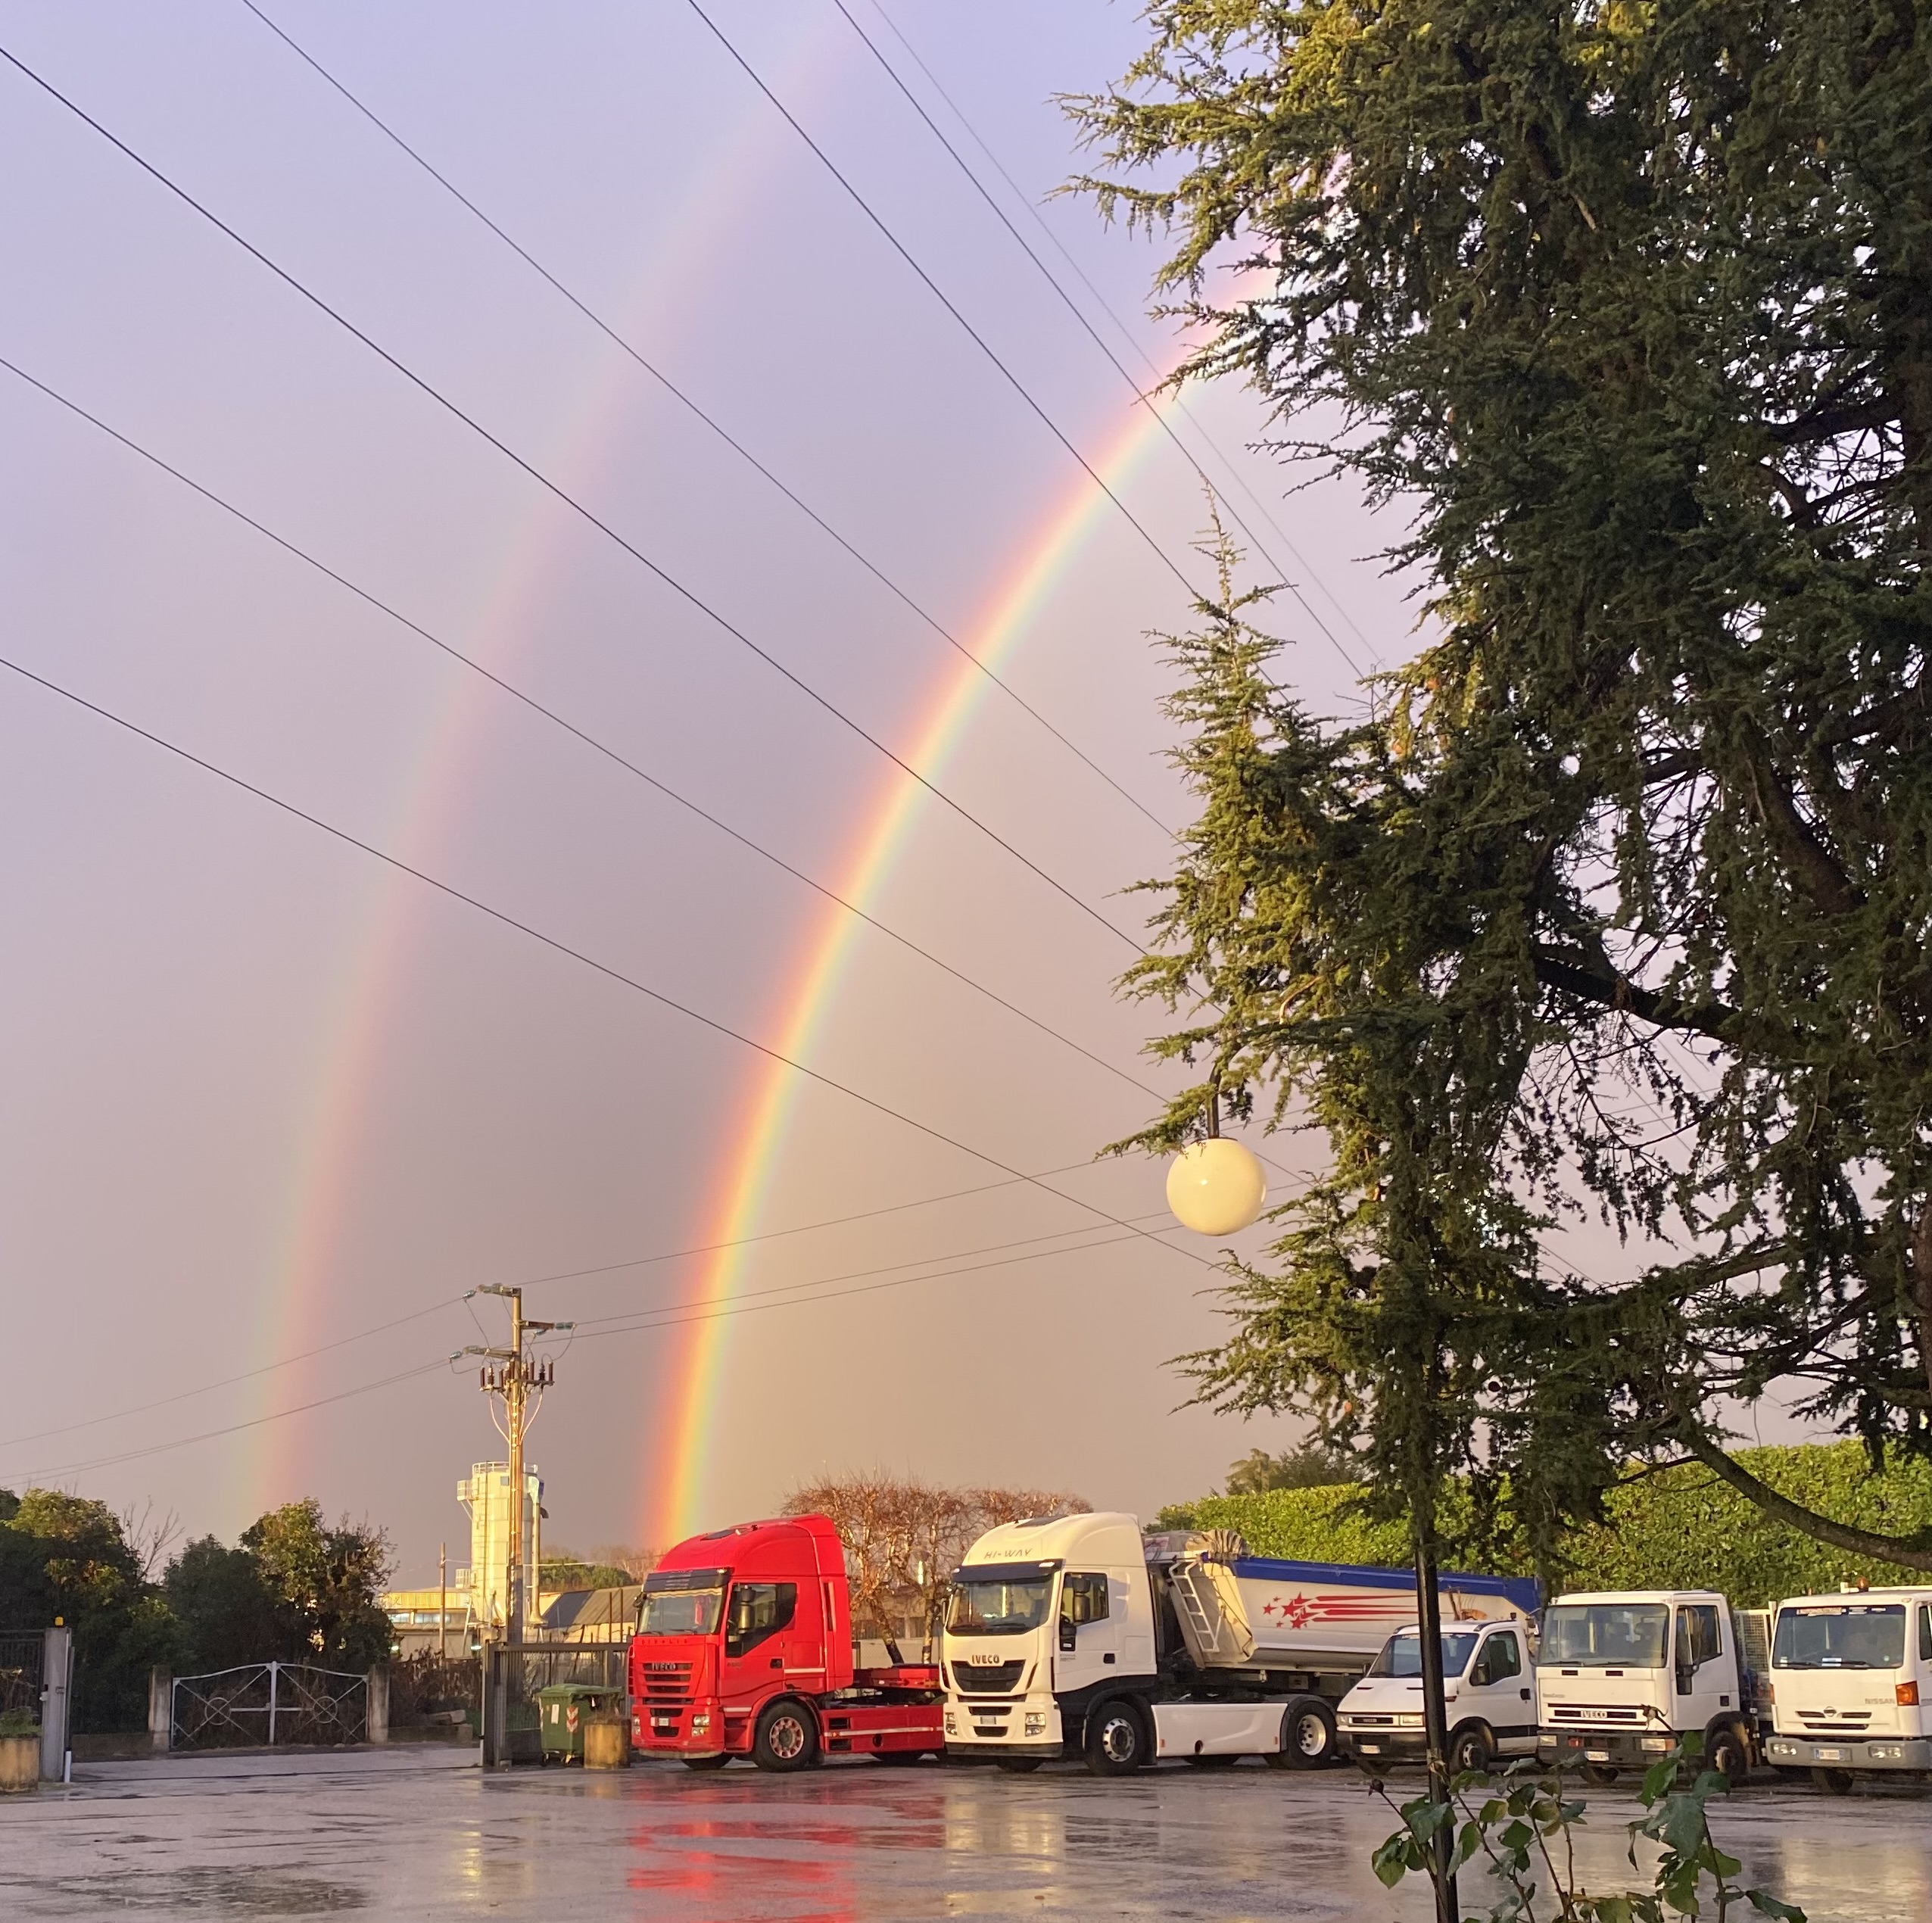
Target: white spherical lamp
(1217, 1186)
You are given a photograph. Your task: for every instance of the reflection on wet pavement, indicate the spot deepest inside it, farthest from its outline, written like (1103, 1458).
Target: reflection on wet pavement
(850, 1843)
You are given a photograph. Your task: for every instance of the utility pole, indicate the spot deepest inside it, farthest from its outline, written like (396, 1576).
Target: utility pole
(442, 1602)
(512, 1374)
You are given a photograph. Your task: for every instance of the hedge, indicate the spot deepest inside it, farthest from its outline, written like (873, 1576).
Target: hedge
(1677, 1529)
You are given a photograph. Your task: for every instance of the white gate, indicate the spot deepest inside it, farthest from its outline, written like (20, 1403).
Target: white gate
(265, 1705)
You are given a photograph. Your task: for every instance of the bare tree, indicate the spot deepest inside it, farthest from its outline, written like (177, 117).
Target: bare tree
(904, 1537)
(636, 1564)
(151, 1535)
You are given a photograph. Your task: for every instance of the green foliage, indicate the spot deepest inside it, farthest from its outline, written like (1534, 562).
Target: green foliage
(327, 1583)
(1623, 886)
(565, 1571)
(1522, 1824)
(224, 1611)
(1311, 1465)
(63, 1556)
(19, 1722)
(1671, 1529)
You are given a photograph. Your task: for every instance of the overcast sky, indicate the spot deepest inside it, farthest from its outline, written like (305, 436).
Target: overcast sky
(264, 1092)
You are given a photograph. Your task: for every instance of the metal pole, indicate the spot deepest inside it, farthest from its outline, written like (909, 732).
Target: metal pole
(1435, 1721)
(443, 1602)
(274, 1671)
(513, 1401)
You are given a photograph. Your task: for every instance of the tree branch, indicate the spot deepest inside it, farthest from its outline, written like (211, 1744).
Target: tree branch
(1911, 1552)
(1573, 976)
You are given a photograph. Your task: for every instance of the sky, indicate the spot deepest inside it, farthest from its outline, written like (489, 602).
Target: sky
(343, 979)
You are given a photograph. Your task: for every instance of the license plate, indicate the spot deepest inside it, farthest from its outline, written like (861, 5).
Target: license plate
(1829, 1756)
(1596, 1755)
(1369, 1749)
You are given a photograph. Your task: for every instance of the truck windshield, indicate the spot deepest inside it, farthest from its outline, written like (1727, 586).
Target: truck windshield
(1840, 1636)
(1605, 1635)
(1006, 1607)
(681, 1603)
(1402, 1655)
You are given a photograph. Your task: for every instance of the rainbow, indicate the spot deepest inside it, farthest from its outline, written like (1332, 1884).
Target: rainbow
(674, 1480)
(423, 803)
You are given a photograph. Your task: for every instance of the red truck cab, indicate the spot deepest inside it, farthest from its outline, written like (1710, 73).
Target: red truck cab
(744, 1648)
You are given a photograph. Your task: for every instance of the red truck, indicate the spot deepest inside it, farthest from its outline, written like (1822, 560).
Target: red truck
(744, 1648)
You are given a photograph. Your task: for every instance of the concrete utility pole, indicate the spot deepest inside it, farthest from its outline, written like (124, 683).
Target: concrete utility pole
(442, 1602)
(512, 1373)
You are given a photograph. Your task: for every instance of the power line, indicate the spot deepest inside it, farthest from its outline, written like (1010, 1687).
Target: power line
(570, 727)
(679, 394)
(563, 948)
(662, 574)
(979, 339)
(1073, 308)
(640, 1327)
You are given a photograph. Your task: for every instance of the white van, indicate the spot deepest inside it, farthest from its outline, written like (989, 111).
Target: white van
(1489, 1685)
(1851, 1677)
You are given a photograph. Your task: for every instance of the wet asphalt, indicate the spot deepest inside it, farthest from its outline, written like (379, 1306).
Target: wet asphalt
(426, 1835)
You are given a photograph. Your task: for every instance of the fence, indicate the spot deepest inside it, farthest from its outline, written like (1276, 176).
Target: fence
(20, 1659)
(263, 1704)
(427, 1691)
(514, 1673)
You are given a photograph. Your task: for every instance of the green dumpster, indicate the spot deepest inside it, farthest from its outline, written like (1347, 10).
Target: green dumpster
(563, 1710)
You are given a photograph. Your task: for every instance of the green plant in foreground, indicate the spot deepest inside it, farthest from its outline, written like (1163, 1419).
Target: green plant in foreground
(1524, 1825)
(18, 1722)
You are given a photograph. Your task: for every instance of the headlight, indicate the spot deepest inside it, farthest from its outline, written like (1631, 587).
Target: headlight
(1036, 1723)
(1408, 1719)
(1658, 1744)
(700, 1724)
(951, 1724)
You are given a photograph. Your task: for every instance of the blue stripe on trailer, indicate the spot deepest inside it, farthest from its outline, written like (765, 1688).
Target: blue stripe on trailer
(1523, 1591)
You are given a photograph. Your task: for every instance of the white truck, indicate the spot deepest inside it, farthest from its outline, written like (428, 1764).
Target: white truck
(1852, 1682)
(1489, 1690)
(1077, 1635)
(1622, 1676)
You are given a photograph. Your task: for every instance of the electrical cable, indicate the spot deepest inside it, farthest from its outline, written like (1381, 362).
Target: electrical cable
(570, 727)
(979, 339)
(604, 968)
(1086, 326)
(679, 394)
(688, 594)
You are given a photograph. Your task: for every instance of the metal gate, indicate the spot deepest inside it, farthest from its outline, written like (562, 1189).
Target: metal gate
(514, 1672)
(21, 1658)
(265, 1705)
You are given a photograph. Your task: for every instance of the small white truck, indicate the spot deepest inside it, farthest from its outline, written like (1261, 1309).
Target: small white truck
(1851, 1676)
(1489, 1689)
(1622, 1676)
(1075, 1635)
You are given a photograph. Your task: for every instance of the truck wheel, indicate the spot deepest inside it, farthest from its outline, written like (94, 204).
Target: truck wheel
(787, 1737)
(1725, 1752)
(1308, 1736)
(706, 1762)
(1835, 1782)
(1116, 1740)
(1470, 1750)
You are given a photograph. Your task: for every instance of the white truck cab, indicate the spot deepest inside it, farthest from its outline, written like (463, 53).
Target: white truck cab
(1623, 1675)
(1851, 1679)
(1489, 1685)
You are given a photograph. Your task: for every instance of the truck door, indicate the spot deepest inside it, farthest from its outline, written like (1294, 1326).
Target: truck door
(1705, 1681)
(1087, 1651)
(1498, 1690)
(757, 1639)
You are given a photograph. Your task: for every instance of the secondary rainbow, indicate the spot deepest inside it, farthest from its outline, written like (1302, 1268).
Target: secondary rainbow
(673, 1481)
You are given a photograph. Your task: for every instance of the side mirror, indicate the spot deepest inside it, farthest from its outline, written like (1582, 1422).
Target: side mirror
(1479, 1677)
(1067, 1637)
(1683, 1678)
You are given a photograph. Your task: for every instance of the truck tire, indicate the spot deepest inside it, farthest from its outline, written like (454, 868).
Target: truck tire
(1726, 1751)
(1471, 1749)
(706, 1763)
(1308, 1740)
(1117, 1742)
(787, 1738)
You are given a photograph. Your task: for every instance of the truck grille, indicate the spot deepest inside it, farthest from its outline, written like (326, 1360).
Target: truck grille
(1835, 1722)
(668, 1683)
(1594, 1713)
(986, 1678)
